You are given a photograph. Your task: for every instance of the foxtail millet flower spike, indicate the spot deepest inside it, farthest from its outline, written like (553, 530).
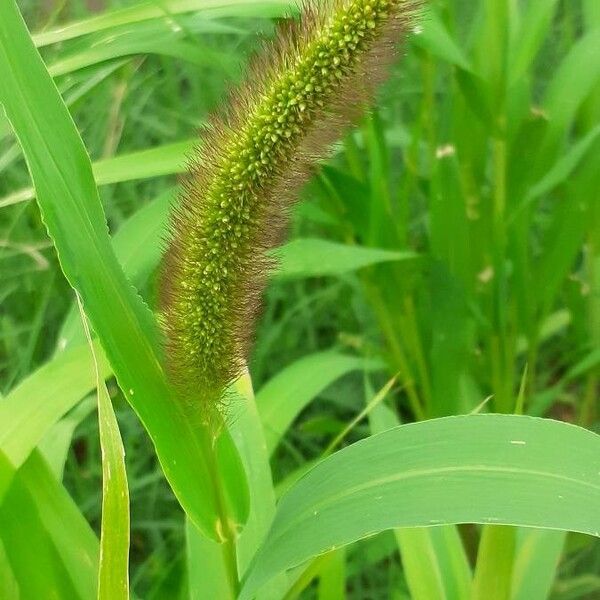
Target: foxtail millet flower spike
(304, 88)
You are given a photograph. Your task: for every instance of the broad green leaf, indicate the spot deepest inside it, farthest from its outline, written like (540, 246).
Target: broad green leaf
(497, 469)
(282, 398)
(72, 212)
(314, 258)
(433, 558)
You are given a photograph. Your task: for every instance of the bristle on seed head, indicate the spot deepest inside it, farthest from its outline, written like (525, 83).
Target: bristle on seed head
(304, 88)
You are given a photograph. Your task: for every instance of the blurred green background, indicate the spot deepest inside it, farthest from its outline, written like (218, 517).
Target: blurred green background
(463, 216)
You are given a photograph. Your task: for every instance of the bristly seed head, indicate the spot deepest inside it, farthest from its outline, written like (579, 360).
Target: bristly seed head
(303, 90)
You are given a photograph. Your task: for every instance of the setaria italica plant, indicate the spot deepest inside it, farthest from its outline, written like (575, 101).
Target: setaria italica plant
(304, 88)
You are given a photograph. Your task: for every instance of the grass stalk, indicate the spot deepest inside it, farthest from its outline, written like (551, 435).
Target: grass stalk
(495, 558)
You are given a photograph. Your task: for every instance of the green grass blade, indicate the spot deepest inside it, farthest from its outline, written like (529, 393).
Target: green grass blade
(560, 171)
(316, 258)
(113, 576)
(528, 36)
(41, 525)
(28, 412)
(207, 575)
(55, 445)
(282, 398)
(332, 578)
(537, 557)
(434, 559)
(571, 85)
(495, 558)
(507, 470)
(72, 212)
(9, 586)
(436, 38)
(137, 245)
(247, 433)
(143, 164)
(157, 36)
(113, 567)
(151, 10)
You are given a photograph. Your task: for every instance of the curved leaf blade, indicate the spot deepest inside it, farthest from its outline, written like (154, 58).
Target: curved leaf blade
(311, 257)
(499, 469)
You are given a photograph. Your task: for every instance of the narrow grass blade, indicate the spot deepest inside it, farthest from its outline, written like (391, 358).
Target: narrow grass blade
(315, 258)
(157, 36)
(113, 567)
(560, 171)
(529, 35)
(9, 586)
(436, 38)
(433, 558)
(137, 245)
(508, 470)
(143, 11)
(41, 525)
(28, 411)
(143, 164)
(248, 435)
(56, 444)
(282, 398)
(536, 561)
(493, 572)
(332, 578)
(571, 85)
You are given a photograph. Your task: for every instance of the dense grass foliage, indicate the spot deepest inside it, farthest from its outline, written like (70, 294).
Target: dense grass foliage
(445, 260)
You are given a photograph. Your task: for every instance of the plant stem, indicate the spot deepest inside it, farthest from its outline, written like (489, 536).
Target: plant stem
(493, 573)
(224, 526)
